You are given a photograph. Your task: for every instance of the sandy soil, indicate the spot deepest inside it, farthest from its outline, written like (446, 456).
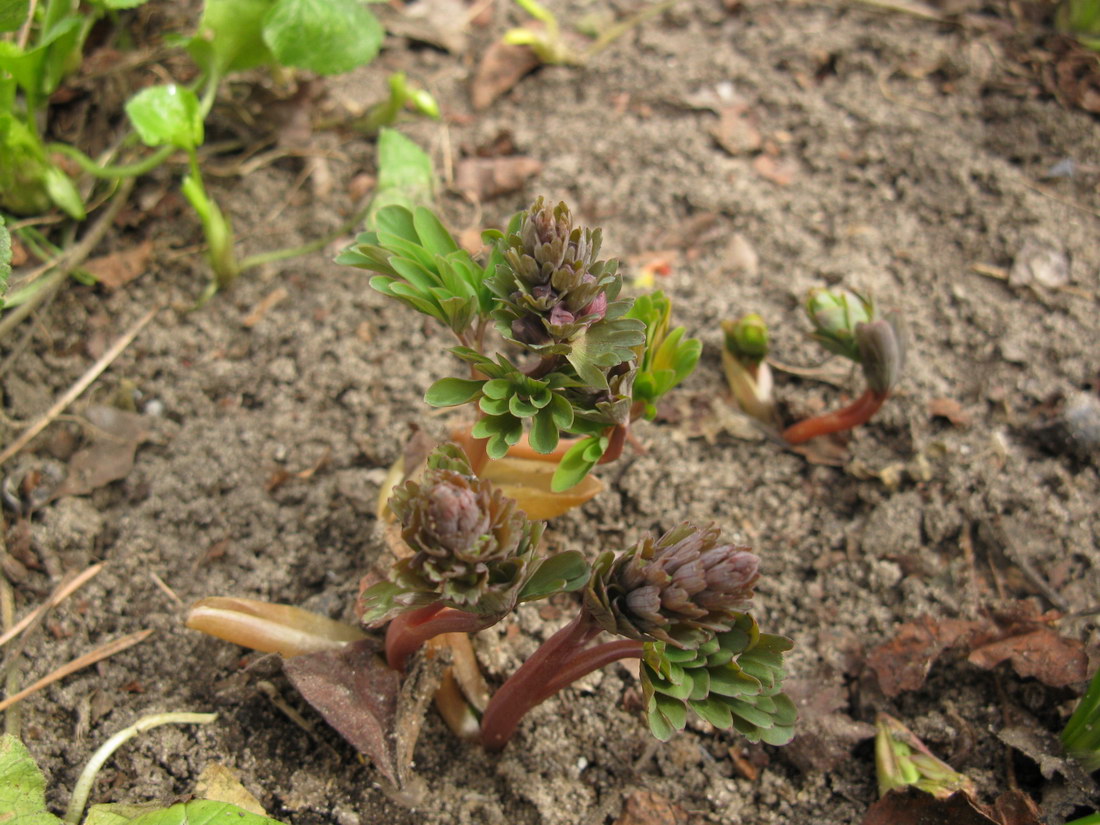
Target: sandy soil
(890, 157)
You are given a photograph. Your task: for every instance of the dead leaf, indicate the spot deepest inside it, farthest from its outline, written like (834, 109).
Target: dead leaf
(501, 68)
(487, 178)
(119, 268)
(1042, 653)
(950, 409)
(356, 693)
(778, 171)
(223, 784)
(111, 455)
(1016, 808)
(826, 735)
(737, 131)
(261, 309)
(439, 23)
(1019, 633)
(648, 808)
(911, 806)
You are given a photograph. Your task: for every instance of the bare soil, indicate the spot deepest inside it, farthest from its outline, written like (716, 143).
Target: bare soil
(893, 157)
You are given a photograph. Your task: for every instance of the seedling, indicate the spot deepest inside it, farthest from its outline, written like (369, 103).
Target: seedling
(901, 759)
(1081, 735)
(846, 324)
(403, 97)
(548, 295)
(582, 364)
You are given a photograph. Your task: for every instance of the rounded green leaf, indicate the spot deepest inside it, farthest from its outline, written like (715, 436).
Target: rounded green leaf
(167, 115)
(322, 36)
(450, 392)
(544, 432)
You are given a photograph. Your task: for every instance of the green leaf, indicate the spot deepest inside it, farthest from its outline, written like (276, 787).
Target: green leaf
(230, 36)
(604, 345)
(577, 462)
(673, 710)
(715, 711)
(13, 13)
(203, 812)
(167, 114)
(730, 680)
(544, 431)
(562, 573)
(433, 235)
(659, 726)
(521, 407)
(450, 392)
(405, 174)
(63, 192)
(22, 786)
(322, 36)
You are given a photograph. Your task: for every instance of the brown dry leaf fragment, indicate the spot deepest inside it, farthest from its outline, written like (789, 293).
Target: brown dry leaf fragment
(501, 68)
(111, 455)
(1043, 653)
(487, 178)
(915, 807)
(223, 784)
(903, 663)
(1016, 808)
(1019, 633)
(778, 171)
(950, 409)
(356, 693)
(439, 23)
(261, 309)
(648, 808)
(119, 268)
(736, 131)
(826, 735)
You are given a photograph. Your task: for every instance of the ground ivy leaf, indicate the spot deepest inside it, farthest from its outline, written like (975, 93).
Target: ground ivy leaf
(22, 786)
(544, 431)
(322, 36)
(203, 812)
(168, 114)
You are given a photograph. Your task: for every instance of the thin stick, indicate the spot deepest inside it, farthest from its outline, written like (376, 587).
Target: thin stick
(87, 778)
(109, 649)
(68, 586)
(76, 389)
(165, 589)
(11, 681)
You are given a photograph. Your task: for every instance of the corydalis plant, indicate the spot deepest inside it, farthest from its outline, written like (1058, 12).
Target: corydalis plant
(679, 603)
(474, 557)
(576, 345)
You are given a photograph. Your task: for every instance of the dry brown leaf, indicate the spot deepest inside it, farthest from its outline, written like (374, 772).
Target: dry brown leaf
(223, 784)
(119, 268)
(648, 808)
(911, 806)
(111, 455)
(439, 23)
(826, 735)
(736, 131)
(357, 694)
(778, 171)
(1019, 634)
(501, 68)
(487, 178)
(950, 409)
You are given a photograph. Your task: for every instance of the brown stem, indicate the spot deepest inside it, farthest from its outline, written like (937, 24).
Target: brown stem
(407, 632)
(614, 444)
(560, 661)
(856, 413)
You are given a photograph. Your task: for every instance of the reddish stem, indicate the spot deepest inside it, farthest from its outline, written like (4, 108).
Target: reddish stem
(560, 661)
(856, 413)
(407, 632)
(614, 444)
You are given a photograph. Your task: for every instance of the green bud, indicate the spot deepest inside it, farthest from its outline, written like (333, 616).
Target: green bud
(902, 759)
(835, 315)
(747, 338)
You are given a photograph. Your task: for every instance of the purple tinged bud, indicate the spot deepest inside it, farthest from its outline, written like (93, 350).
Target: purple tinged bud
(882, 349)
(560, 316)
(597, 307)
(454, 515)
(529, 330)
